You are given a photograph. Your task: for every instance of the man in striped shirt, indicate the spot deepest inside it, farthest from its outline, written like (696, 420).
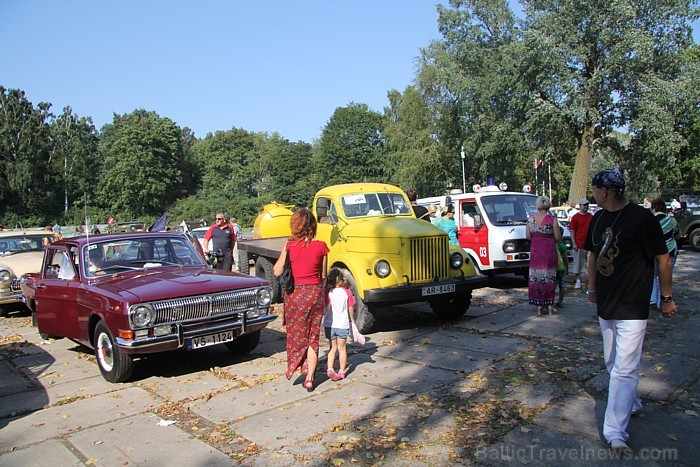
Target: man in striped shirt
(670, 228)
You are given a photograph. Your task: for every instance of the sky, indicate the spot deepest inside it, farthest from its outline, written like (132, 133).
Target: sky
(210, 65)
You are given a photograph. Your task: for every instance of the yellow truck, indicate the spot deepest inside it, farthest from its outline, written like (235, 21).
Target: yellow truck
(387, 255)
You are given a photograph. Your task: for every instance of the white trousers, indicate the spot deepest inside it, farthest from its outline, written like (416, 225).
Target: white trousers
(580, 260)
(622, 350)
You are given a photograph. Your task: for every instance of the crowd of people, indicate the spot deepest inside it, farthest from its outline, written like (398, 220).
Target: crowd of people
(628, 251)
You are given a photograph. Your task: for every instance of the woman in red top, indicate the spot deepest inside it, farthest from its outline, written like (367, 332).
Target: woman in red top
(303, 308)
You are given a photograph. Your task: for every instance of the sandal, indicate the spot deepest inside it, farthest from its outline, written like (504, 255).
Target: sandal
(552, 310)
(540, 311)
(331, 373)
(309, 384)
(338, 376)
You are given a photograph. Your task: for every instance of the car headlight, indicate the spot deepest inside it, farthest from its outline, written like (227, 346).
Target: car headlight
(382, 268)
(509, 247)
(141, 315)
(264, 296)
(5, 275)
(456, 260)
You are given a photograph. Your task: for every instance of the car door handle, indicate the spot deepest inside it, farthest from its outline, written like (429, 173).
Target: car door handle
(40, 286)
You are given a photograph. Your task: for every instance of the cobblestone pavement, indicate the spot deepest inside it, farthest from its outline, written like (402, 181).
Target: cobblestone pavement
(499, 386)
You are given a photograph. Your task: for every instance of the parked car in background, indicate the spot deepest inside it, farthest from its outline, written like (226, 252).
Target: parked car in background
(21, 252)
(135, 294)
(198, 233)
(688, 219)
(562, 213)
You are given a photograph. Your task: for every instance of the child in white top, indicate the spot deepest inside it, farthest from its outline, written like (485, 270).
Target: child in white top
(336, 320)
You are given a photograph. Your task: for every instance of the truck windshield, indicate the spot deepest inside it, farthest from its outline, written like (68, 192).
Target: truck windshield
(509, 209)
(375, 204)
(112, 257)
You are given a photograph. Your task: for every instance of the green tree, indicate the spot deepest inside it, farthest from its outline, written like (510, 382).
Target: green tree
(604, 64)
(471, 82)
(74, 156)
(413, 156)
(191, 171)
(142, 154)
(227, 158)
(287, 167)
(25, 183)
(351, 147)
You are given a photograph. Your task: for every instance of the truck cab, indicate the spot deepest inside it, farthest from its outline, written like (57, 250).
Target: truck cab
(491, 227)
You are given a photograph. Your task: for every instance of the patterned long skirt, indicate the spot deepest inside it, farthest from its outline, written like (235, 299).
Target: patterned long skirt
(303, 312)
(543, 270)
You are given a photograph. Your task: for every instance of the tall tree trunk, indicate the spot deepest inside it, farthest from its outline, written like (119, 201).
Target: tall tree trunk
(582, 169)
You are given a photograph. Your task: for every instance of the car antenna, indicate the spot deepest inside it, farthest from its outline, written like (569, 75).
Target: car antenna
(85, 219)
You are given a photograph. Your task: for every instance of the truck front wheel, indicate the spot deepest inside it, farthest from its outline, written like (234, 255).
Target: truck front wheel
(364, 317)
(263, 270)
(451, 307)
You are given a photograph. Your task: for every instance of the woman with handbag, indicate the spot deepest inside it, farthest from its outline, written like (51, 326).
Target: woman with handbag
(304, 305)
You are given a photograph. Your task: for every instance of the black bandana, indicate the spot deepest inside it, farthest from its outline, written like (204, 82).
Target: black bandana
(611, 179)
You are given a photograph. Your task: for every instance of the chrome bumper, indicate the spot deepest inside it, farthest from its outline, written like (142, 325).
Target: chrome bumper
(12, 297)
(177, 339)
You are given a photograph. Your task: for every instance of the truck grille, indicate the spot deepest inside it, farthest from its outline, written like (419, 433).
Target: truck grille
(429, 258)
(204, 306)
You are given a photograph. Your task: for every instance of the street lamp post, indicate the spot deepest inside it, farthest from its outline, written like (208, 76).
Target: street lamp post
(464, 180)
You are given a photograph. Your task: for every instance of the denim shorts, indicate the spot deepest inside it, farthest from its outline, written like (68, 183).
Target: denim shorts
(336, 333)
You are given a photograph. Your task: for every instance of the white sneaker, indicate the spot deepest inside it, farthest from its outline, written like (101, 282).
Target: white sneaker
(578, 284)
(619, 445)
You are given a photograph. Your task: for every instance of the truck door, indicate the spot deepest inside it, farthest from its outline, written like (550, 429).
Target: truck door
(56, 296)
(473, 232)
(327, 228)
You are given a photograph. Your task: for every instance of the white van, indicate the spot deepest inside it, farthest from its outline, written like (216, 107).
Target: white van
(491, 228)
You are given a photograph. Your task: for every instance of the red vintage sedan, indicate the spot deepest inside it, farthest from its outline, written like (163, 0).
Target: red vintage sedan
(135, 294)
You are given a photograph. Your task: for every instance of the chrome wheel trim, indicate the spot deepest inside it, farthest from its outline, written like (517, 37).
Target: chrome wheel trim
(105, 352)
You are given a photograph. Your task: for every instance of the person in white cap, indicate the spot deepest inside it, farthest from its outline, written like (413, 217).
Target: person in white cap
(579, 229)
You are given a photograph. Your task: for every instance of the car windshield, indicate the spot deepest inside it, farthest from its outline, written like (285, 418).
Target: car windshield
(112, 257)
(23, 243)
(375, 204)
(509, 209)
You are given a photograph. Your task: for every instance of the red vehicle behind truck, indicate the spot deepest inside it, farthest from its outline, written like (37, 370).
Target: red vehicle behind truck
(491, 227)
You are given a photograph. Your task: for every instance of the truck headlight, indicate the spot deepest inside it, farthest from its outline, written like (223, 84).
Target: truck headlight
(264, 296)
(141, 315)
(382, 268)
(5, 275)
(509, 247)
(456, 260)
(568, 243)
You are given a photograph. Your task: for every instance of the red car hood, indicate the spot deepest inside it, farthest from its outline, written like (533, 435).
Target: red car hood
(173, 283)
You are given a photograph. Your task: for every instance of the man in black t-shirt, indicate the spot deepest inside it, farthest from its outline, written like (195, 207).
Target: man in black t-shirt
(624, 240)
(221, 233)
